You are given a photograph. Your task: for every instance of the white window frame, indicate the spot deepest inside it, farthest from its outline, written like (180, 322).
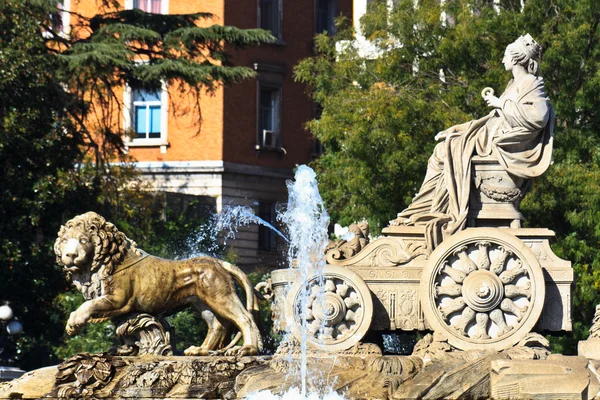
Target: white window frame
(129, 119)
(164, 6)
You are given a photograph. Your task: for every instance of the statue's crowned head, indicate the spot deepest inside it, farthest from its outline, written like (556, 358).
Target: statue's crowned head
(527, 52)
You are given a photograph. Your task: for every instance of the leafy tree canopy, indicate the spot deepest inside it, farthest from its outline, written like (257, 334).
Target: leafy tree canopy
(381, 111)
(60, 134)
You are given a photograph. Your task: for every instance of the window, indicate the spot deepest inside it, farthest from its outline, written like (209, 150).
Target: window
(325, 14)
(146, 117)
(267, 238)
(150, 6)
(269, 127)
(269, 104)
(146, 114)
(270, 16)
(268, 117)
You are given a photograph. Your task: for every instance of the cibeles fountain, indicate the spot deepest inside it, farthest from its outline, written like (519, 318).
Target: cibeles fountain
(456, 268)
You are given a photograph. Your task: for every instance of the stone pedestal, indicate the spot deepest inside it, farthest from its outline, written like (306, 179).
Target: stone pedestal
(558, 377)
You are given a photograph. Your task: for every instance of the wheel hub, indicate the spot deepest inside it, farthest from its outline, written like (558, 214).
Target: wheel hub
(331, 310)
(482, 290)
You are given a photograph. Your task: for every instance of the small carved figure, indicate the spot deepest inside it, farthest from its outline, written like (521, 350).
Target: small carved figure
(117, 279)
(345, 249)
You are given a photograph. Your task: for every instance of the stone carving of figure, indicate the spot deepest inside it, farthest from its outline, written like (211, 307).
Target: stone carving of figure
(348, 248)
(517, 133)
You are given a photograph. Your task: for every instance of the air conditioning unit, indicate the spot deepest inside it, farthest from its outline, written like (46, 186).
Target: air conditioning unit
(270, 139)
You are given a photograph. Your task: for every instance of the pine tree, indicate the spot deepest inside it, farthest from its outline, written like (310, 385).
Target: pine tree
(59, 129)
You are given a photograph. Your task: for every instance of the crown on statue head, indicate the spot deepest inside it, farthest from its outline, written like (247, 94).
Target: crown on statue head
(530, 46)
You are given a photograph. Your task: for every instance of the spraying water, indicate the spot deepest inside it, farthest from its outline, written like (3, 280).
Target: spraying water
(307, 222)
(224, 225)
(232, 217)
(293, 394)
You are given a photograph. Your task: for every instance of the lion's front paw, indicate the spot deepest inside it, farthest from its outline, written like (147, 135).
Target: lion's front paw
(242, 351)
(76, 321)
(71, 330)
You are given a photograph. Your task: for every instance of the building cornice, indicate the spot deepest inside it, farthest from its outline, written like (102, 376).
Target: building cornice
(210, 167)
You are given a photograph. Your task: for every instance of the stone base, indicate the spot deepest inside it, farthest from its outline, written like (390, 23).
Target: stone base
(558, 377)
(137, 377)
(589, 349)
(447, 374)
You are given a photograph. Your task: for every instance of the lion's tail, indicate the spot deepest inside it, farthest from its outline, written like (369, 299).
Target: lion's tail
(241, 278)
(251, 299)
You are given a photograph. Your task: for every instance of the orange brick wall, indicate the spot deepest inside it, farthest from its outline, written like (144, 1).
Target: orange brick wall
(186, 142)
(240, 107)
(228, 130)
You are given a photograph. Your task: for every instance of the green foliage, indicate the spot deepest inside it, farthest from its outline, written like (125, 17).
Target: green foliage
(60, 142)
(93, 338)
(380, 113)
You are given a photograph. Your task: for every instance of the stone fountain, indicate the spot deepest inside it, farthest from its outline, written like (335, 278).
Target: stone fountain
(456, 265)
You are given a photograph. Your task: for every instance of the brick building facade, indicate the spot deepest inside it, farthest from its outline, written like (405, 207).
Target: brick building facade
(252, 134)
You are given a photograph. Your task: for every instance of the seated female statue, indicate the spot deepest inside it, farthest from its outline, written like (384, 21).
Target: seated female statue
(517, 133)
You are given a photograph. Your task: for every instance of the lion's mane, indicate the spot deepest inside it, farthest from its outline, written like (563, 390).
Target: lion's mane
(111, 245)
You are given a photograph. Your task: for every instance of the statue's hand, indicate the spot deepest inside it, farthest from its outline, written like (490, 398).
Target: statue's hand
(441, 136)
(493, 101)
(448, 133)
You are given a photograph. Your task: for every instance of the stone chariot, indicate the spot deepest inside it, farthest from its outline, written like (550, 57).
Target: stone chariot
(485, 287)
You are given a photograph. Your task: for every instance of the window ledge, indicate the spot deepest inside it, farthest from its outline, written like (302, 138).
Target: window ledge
(279, 42)
(146, 143)
(260, 148)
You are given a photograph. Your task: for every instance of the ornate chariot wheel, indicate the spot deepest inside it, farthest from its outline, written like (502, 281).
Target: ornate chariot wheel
(339, 309)
(483, 289)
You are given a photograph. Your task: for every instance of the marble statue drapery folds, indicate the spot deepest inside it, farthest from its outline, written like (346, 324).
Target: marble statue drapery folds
(518, 135)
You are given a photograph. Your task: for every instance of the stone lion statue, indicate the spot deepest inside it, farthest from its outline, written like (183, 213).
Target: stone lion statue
(118, 279)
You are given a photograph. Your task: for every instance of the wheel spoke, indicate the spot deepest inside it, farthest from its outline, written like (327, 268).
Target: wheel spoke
(509, 276)
(509, 306)
(342, 290)
(456, 275)
(448, 290)
(466, 317)
(497, 316)
(482, 320)
(483, 259)
(513, 291)
(498, 264)
(453, 306)
(329, 286)
(465, 262)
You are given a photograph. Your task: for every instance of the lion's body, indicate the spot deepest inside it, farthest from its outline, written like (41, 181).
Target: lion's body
(132, 281)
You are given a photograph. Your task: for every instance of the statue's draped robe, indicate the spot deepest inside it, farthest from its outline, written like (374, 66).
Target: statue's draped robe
(518, 135)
